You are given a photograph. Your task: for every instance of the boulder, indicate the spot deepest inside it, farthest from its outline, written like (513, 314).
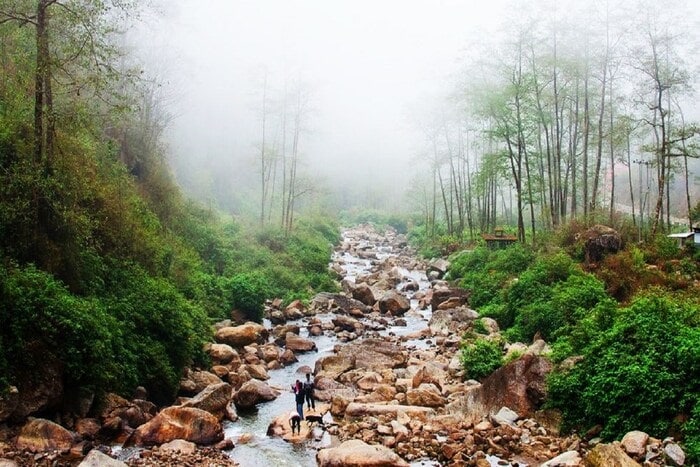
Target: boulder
(97, 458)
(333, 366)
(394, 303)
(520, 385)
(197, 381)
(34, 390)
(425, 395)
(609, 455)
(213, 399)
(364, 294)
(374, 354)
(39, 435)
(287, 357)
(253, 392)
(360, 410)
(179, 446)
(452, 321)
(347, 323)
(222, 354)
(674, 454)
(296, 343)
(429, 373)
(240, 336)
(357, 453)
(565, 459)
(268, 352)
(129, 413)
(187, 423)
(326, 301)
(439, 265)
(599, 241)
(635, 443)
(443, 293)
(505, 416)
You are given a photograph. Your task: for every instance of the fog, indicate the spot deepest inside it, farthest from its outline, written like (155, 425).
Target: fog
(366, 65)
(369, 71)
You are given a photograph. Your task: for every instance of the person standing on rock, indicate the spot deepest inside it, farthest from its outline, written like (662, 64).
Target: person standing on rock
(298, 389)
(309, 393)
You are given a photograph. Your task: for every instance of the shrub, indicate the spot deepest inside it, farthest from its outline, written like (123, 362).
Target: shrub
(248, 292)
(638, 374)
(481, 357)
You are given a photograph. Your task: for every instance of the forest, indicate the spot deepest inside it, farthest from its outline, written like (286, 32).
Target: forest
(118, 254)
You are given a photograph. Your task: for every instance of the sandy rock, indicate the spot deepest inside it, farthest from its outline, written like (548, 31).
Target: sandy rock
(240, 336)
(187, 423)
(375, 354)
(369, 381)
(39, 435)
(357, 453)
(348, 323)
(287, 357)
(197, 381)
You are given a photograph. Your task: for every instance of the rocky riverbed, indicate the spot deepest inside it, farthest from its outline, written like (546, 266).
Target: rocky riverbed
(391, 391)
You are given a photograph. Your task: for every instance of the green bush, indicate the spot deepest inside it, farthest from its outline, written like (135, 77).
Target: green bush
(640, 373)
(481, 357)
(248, 293)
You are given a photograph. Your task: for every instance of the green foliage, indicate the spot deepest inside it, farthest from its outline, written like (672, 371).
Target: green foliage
(638, 374)
(481, 357)
(691, 432)
(43, 321)
(248, 293)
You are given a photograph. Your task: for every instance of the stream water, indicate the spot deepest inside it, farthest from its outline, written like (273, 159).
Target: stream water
(262, 450)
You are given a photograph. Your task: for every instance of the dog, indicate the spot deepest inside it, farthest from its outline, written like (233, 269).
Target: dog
(317, 419)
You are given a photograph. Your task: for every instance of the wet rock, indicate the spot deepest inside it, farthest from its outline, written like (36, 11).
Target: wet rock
(39, 435)
(185, 423)
(358, 453)
(240, 336)
(439, 265)
(287, 357)
(253, 392)
(87, 428)
(347, 323)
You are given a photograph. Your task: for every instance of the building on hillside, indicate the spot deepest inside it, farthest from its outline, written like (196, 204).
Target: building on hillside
(687, 238)
(498, 239)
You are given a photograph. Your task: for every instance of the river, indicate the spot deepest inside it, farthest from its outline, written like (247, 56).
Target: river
(262, 450)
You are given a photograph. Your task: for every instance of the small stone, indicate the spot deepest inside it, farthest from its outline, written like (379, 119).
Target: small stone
(674, 454)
